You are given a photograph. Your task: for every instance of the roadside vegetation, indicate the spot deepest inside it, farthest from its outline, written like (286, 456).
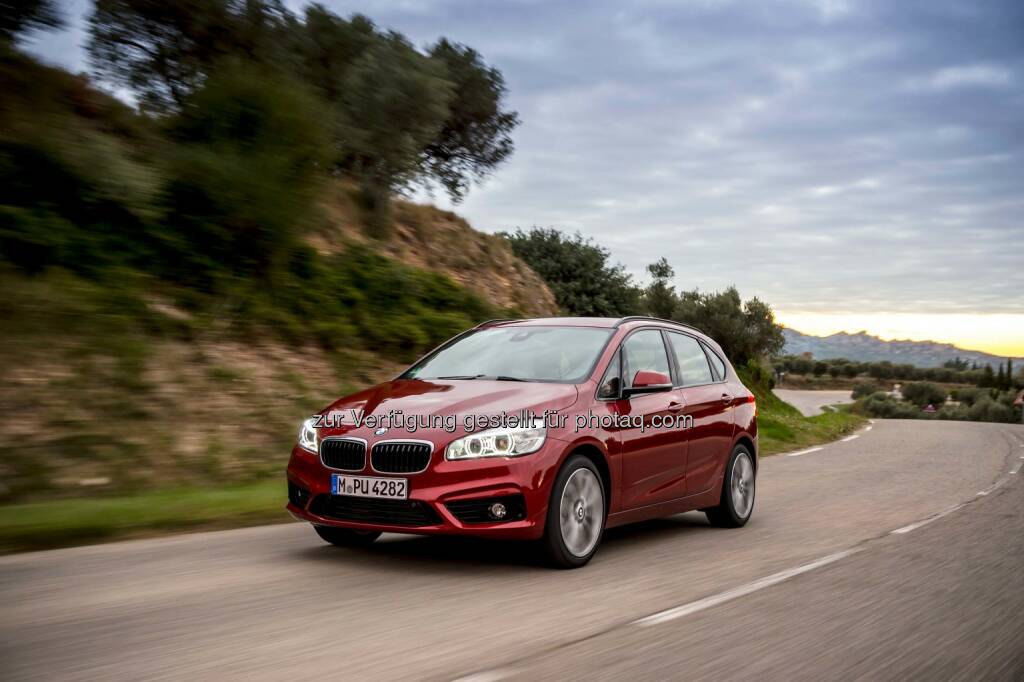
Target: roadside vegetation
(808, 371)
(585, 282)
(923, 400)
(900, 392)
(782, 428)
(65, 523)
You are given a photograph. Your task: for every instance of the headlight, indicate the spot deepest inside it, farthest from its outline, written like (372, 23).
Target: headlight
(307, 435)
(499, 442)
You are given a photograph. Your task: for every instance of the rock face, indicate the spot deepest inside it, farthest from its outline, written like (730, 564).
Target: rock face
(863, 347)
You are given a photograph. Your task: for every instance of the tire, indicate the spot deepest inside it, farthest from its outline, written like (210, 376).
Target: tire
(346, 537)
(579, 496)
(736, 503)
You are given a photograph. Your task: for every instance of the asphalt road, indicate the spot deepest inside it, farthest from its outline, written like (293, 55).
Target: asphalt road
(859, 562)
(810, 402)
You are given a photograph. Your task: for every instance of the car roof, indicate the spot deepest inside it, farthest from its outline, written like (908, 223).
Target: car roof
(600, 322)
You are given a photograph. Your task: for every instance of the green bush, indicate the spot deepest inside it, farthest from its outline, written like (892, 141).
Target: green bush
(761, 374)
(968, 396)
(862, 389)
(923, 393)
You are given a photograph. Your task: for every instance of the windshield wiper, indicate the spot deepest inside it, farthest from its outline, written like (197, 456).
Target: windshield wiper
(463, 376)
(502, 377)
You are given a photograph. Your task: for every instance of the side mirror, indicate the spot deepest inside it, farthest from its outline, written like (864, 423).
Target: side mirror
(646, 381)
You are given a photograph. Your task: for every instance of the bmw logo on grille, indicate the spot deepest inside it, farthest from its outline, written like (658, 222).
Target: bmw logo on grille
(381, 431)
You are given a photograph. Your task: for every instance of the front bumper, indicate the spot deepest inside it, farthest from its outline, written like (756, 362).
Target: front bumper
(527, 478)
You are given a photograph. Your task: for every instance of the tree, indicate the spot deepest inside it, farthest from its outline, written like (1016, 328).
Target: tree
(956, 364)
(747, 331)
(164, 49)
(400, 117)
(660, 297)
(242, 176)
(988, 378)
(475, 136)
(22, 16)
(393, 104)
(578, 272)
(327, 46)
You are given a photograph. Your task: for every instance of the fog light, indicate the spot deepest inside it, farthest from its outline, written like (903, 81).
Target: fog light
(497, 510)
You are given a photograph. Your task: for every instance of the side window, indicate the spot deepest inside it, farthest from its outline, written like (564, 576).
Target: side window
(645, 350)
(693, 364)
(717, 363)
(611, 384)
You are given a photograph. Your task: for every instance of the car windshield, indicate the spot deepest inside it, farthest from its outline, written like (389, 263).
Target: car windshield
(565, 354)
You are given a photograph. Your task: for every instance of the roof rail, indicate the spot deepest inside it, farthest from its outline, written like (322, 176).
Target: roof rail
(496, 321)
(636, 318)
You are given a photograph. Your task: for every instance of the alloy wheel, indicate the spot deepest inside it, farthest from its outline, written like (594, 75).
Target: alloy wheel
(581, 512)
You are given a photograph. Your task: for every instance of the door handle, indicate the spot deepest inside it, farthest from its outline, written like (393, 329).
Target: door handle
(726, 398)
(675, 406)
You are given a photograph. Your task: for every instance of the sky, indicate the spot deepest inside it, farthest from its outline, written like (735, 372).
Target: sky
(858, 165)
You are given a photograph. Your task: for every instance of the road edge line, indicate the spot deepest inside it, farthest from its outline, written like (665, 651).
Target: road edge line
(743, 590)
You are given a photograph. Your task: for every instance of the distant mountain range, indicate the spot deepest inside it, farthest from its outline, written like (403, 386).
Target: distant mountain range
(863, 347)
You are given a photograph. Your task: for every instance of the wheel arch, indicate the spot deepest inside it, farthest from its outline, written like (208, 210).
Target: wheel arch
(748, 442)
(599, 458)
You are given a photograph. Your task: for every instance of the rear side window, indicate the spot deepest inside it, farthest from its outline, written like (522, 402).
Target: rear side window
(645, 350)
(717, 363)
(690, 359)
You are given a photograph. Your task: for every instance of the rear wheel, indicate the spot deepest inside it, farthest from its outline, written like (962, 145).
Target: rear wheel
(346, 537)
(737, 500)
(576, 512)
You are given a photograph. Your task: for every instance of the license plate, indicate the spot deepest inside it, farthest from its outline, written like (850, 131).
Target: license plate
(364, 486)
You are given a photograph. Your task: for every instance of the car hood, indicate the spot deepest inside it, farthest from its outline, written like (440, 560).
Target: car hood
(440, 399)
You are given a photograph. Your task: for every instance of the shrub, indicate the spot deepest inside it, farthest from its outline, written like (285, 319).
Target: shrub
(968, 396)
(862, 389)
(923, 393)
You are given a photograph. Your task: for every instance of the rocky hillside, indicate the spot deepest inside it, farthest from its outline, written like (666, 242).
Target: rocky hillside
(427, 237)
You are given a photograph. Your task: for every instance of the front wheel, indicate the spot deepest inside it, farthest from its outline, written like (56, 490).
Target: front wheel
(737, 500)
(576, 513)
(346, 537)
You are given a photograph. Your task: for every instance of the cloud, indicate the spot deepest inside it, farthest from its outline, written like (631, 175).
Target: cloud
(966, 76)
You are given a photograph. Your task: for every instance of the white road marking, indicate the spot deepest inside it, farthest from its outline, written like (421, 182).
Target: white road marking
(868, 429)
(803, 452)
(849, 438)
(925, 522)
(742, 590)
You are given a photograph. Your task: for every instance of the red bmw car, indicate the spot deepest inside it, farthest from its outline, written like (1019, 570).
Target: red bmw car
(546, 429)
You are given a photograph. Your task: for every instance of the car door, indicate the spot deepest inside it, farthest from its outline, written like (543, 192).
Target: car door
(653, 457)
(709, 404)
